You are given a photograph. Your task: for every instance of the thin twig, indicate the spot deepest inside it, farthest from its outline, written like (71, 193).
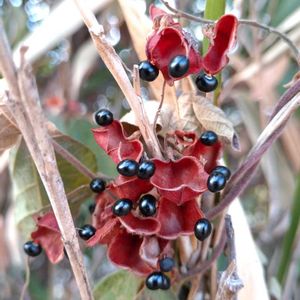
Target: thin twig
(115, 66)
(245, 172)
(27, 278)
(23, 102)
(286, 97)
(289, 42)
(230, 283)
(207, 264)
(160, 106)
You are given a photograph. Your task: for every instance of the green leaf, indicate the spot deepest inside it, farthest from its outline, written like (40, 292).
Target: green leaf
(214, 9)
(80, 130)
(290, 236)
(29, 194)
(157, 295)
(121, 285)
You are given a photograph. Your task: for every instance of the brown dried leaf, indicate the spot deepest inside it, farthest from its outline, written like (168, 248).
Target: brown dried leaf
(9, 133)
(213, 118)
(188, 120)
(165, 122)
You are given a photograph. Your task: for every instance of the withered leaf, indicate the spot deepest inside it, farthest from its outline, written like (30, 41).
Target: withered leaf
(9, 133)
(165, 122)
(199, 109)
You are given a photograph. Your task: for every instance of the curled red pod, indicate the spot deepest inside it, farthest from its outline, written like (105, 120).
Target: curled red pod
(49, 237)
(222, 40)
(169, 40)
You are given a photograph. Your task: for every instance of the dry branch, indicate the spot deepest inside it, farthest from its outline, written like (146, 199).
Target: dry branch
(23, 102)
(245, 172)
(115, 66)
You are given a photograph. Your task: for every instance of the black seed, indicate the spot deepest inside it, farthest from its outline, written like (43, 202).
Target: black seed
(157, 280)
(97, 185)
(178, 66)
(166, 264)
(208, 138)
(146, 169)
(165, 283)
(202, 229)
(206, 83)
(32, 249)
(86, 232)
(128, 167)
(147, 71)
(104, 117)
(92, 207)
(223, 170)
(147, 205)
(216, 182)
(122, 207)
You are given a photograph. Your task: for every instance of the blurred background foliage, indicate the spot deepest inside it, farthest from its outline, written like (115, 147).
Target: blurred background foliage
(73, 83)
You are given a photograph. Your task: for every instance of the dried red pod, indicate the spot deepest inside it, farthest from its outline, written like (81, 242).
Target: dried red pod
(208, 155)
(223, 39)
(177, 220)
(49, 237)
(169, 40)
(113, 140)
(140, 225)
(130, 187)
(180, 180)
(134, 252)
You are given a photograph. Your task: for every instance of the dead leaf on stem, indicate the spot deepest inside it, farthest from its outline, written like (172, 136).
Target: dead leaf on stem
(165, 122)
(197, 111)
(9, 133)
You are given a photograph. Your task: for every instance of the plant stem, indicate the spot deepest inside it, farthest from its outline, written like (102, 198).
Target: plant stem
(213, 11)
(289, 238)
(115, 66)
(74, 161)
(23, 102)
(246, 171)
(27, 279)
(207, 264)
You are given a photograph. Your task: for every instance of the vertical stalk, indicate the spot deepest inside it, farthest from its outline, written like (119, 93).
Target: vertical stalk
(289, 239)
(214, 9)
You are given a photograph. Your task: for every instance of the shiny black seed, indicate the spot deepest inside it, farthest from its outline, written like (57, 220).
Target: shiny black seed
(92, 207)
(32, 249)
(147, 205)
(122, 207)
(216, 182)
(206, 83)
(128, 167)
(157, 280)
(202, 229)
(178, 66)
(166, 264)
(97, 185)
(104, 117)
(146, 169)
(147, 71)
(208, 138)
(166, 283)
(223, 170)
(86, 232)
